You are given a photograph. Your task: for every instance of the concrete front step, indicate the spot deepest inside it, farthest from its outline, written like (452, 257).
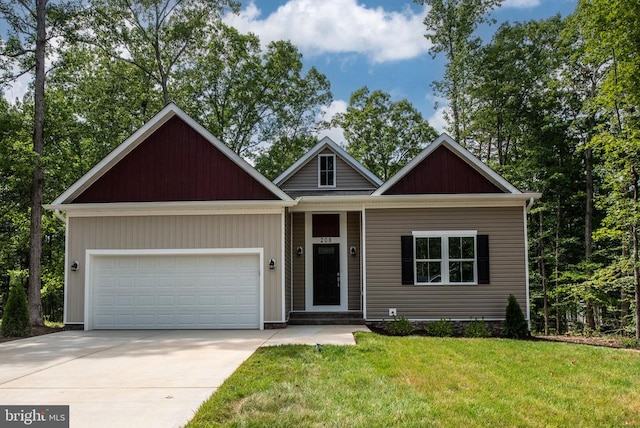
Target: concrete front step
(325, 318)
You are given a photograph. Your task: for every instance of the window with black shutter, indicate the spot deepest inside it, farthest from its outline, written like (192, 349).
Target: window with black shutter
(445, 257)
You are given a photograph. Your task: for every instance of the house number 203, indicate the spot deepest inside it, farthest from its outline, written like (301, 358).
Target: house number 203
(325, 240)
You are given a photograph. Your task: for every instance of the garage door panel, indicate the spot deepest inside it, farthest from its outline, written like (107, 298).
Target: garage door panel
(175, 291)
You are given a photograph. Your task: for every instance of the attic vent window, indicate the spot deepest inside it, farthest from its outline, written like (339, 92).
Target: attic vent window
(326, 171)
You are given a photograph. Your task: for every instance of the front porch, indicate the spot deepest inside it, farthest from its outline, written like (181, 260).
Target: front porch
(324, 257)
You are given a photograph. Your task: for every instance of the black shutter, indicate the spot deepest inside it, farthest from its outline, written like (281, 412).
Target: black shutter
(406, 246)
(483, 259)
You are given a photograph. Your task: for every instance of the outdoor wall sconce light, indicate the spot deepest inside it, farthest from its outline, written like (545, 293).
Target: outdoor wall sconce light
(75, 266)
(272, 264)
(352, 251)
(299, 251)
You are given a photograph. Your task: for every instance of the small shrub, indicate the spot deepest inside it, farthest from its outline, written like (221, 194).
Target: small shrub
(630, 342)
(15, 319)
(476, 328)
(442, 328)
(398, 327)
(515, 325)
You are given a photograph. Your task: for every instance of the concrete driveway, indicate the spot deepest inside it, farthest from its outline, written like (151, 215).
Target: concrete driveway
(137, 378)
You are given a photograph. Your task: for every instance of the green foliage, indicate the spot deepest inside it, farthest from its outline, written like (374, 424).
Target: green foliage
(442, 328)
(630, 342)
(476, 328)
(382, 134)
(398, 327)
(450, 27)
(515, 325)
(246, 96)
(15, 318)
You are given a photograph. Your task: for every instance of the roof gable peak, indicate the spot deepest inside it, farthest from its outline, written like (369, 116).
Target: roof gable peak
(324, 143)
(170, 111)
(445, 140)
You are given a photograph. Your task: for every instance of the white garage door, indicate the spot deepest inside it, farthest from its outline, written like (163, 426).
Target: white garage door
(175, 291)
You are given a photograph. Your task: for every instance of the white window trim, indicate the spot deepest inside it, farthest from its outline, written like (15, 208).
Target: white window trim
(444, 261)
(335, 167)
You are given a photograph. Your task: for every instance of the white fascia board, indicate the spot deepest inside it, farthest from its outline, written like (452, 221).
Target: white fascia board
(172, 208)
(355, 202)
(141, 135)
(465, 155)
(339, 151)
(451, 200)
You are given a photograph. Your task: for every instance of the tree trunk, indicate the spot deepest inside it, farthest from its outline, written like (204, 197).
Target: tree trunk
(588, 230)
(636, 257)
(559, 313)
(35, 254)
(543, 275)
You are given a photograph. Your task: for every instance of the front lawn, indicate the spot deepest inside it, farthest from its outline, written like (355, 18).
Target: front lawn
(423, 381)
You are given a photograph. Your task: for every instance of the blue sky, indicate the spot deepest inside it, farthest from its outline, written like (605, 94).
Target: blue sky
(377, 43)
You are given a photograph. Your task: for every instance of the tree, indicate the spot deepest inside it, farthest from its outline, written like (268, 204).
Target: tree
(29, 34)
(611, 34)
(15, 319)
(515, 325)
(450, 26)
(382, 134)
(281, 154)
(153, 35)
(246, 97)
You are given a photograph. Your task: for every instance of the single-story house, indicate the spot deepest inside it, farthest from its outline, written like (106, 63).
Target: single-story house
(174, 230)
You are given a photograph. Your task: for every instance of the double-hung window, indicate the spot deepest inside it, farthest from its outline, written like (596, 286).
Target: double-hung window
(326, 171)
(449, 257)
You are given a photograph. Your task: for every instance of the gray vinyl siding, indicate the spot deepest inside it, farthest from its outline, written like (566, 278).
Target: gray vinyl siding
(347, 178)
(298, 272)
(353, 240)
(177, 232)
(384, 227)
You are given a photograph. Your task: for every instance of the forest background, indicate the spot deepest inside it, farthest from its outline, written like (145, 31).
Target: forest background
(553, 105)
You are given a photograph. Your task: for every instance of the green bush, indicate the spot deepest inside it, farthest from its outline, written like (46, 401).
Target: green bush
(398, 327)
(15, 319)
(630, 342)
(476, 328)
(514, 325)
(442, 328)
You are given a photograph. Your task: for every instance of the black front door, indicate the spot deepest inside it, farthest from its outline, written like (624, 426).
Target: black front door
(326, 274)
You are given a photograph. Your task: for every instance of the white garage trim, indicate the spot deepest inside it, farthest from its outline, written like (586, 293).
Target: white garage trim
(91, 254)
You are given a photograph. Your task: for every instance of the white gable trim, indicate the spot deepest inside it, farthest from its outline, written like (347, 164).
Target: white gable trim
(339, 151)
(469, 158)
(141, 135)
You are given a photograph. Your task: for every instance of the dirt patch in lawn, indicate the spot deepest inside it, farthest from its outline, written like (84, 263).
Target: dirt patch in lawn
(609, 342)
(35, 331)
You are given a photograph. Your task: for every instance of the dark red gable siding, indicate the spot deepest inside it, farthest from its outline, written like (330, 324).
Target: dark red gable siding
(175, 163)
(442, 172)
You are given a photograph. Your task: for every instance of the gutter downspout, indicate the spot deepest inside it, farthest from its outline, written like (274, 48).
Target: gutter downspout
(59, 216)
(530, 204)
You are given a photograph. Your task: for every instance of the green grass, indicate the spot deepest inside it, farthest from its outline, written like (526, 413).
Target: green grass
(423, 382)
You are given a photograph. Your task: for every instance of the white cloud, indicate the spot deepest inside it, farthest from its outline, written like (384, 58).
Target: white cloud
(338, 26)
(438, 120)
(16, 89)
(439, 117)
(521, 4)
(336, 134)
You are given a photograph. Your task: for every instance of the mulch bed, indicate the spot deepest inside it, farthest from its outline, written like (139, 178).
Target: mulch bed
(609, 342)
(35, 331)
